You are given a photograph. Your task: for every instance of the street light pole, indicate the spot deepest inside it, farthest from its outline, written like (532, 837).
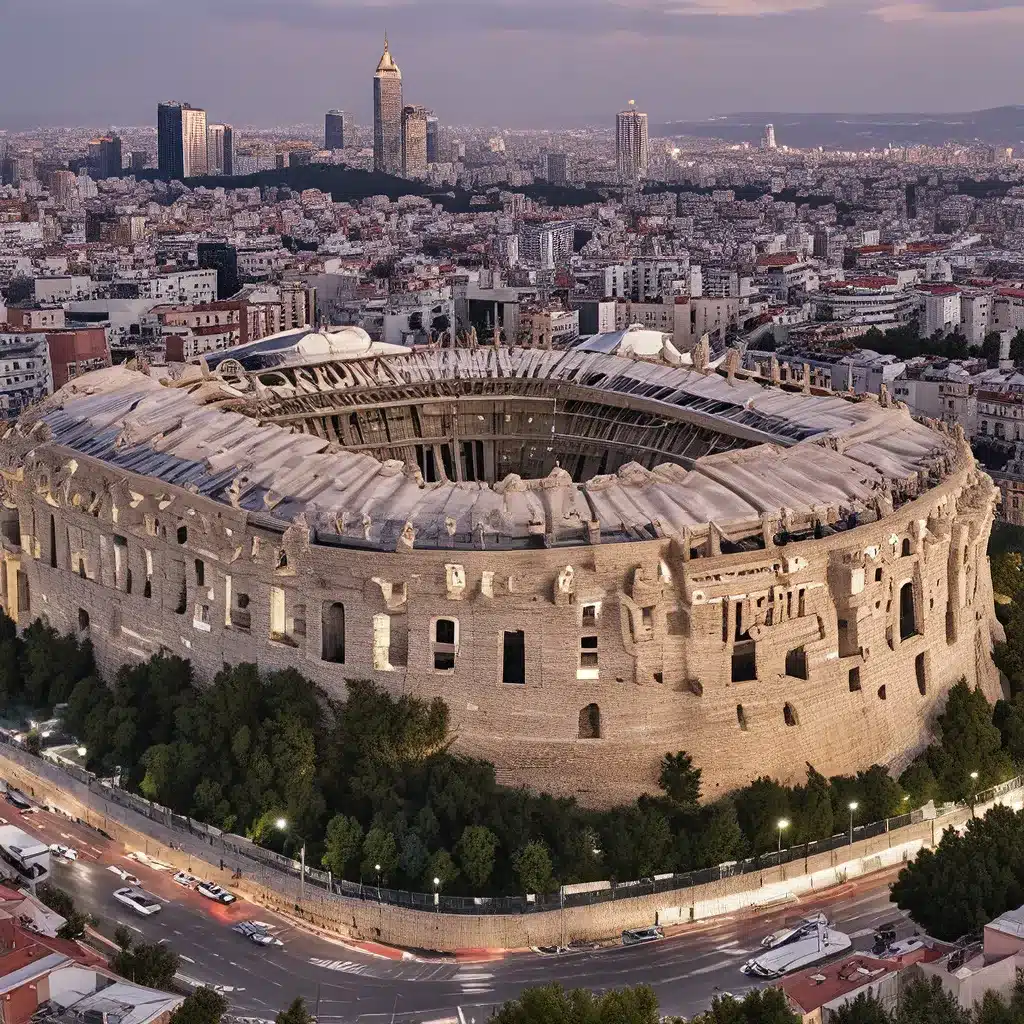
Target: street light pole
(282, 824)
(782, 823)
(437, 895)
(974, 790)
(853, 805)
(376, 867)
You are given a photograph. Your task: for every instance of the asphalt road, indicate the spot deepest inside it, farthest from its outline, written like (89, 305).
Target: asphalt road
(344, 984)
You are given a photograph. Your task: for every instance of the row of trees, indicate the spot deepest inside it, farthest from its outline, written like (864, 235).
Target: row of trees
(906, 342)
(372, 780)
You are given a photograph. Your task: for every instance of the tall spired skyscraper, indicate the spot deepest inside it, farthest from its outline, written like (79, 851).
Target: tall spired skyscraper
(387, 115)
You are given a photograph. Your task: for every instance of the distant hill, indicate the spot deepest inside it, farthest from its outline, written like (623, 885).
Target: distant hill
(998, 126)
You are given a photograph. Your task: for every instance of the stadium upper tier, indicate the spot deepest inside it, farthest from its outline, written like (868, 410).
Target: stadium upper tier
(500, 448)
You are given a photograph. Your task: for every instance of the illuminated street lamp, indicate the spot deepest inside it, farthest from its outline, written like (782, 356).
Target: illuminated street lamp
(282, 824)
(853, 805)
(437, 895)
(974, 790)
(782, 823)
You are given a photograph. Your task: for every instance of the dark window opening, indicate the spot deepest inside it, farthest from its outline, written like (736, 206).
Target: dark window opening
(444, 631)
(789, 715)
(590, 723)
(83, 619)
(744, 665)
(659, 677)
(725, 621)
(282, 559)
(590, 615)
(647, 617)
(53, 543)
(922, 683)
(878, 575)
(796, 663)
(881, 692)
(854, 680)
(182, 534)
(81, 567)
(147, 590)
(908, 623)
(241, 617)
(128, 581)
(513, 658)
(200, 573)
(741, 717)
(588, 652)
(332, 644)
(906, 547)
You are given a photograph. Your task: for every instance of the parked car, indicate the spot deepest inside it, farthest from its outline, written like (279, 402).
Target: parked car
(64, 852)
(139, 901)
(185, 879)
(634, 936)
(214, 892)
(125, 876)
(256, 933)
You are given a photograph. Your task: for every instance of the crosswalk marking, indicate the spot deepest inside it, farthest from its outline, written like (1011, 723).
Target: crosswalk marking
(338, 965)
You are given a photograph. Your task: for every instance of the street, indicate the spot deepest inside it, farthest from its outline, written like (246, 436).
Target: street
(341, 984)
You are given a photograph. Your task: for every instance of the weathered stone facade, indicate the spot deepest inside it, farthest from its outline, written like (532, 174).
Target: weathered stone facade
(836, 651)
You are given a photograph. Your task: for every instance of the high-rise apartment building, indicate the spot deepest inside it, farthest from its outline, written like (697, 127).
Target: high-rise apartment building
(104, 157)
(334, 129)
(387, 115)
(433, 140)
(220, 149)
(414, 140)
(181, 141)
(558, 168)
(768, 139)
(631, 144)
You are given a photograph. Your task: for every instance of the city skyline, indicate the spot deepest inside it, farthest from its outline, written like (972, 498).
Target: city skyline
(507, 64)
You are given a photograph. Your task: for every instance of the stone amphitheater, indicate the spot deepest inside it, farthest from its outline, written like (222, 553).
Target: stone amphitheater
(594, 556)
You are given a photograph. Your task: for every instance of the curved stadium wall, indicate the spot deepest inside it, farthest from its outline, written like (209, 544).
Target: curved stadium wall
(759, 576)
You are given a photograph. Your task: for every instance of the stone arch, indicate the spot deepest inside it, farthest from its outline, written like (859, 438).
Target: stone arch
(789, 714)
(332, 643)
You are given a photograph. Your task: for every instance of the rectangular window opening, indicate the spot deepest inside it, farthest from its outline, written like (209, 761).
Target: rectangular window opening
(513, 659)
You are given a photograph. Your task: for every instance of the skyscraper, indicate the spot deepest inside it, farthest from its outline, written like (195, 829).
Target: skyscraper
(433, 140)
(220, 149)
(387, 115)
(631, 144)
(334, 129)
(558, 168)
(105, 157)
(414, 140)
(181, 140)
(768, 139)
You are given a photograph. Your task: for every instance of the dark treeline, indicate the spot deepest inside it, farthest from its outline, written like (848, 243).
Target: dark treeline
(372, 780)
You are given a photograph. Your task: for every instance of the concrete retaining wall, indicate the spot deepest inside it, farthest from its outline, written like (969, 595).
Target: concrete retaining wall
(398, 926)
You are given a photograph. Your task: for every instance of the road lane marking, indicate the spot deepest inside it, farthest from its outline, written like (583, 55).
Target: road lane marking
(338, 965)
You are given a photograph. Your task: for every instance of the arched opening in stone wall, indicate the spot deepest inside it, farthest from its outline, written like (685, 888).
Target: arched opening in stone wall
(919, 672)
(906, 547)
(789, 715)
(881, 692)
(182, 534)
(741, 717)
(53, 543)
(83, 619)
(332, 644)
(590, 723)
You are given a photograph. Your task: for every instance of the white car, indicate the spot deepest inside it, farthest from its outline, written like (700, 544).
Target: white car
(64, 852)
(185, 879)
(141, 902)
(256, 933)
(214, 892)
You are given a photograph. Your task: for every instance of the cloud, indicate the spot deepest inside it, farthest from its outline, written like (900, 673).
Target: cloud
(974, 14)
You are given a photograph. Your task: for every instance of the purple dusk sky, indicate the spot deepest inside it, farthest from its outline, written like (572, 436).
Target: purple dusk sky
(517, 63)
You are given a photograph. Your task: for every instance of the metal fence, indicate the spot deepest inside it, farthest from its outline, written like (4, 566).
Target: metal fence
(236, 848)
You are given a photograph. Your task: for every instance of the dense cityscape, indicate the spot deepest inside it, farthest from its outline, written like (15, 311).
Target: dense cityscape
(454, 573)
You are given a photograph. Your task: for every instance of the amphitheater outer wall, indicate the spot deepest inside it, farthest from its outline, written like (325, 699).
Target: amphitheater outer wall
(852, 640)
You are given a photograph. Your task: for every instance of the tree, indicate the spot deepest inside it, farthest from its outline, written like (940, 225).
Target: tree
(379, 848)
(679, 779)
(533, 866)
(814, 816)
(149, 964)
(475, 853)
(442, 867)
(719, 837)
(864, 1009)
(551, 1004)
(927, 1002)
(762, 1006)
(296, 1013)
(759, 809)
(202, 1006)
(343, 842)
(919, 783)
(60, 902)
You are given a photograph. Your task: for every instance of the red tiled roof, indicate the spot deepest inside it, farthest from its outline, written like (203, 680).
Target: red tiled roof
(808, 992)
(778, 259)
